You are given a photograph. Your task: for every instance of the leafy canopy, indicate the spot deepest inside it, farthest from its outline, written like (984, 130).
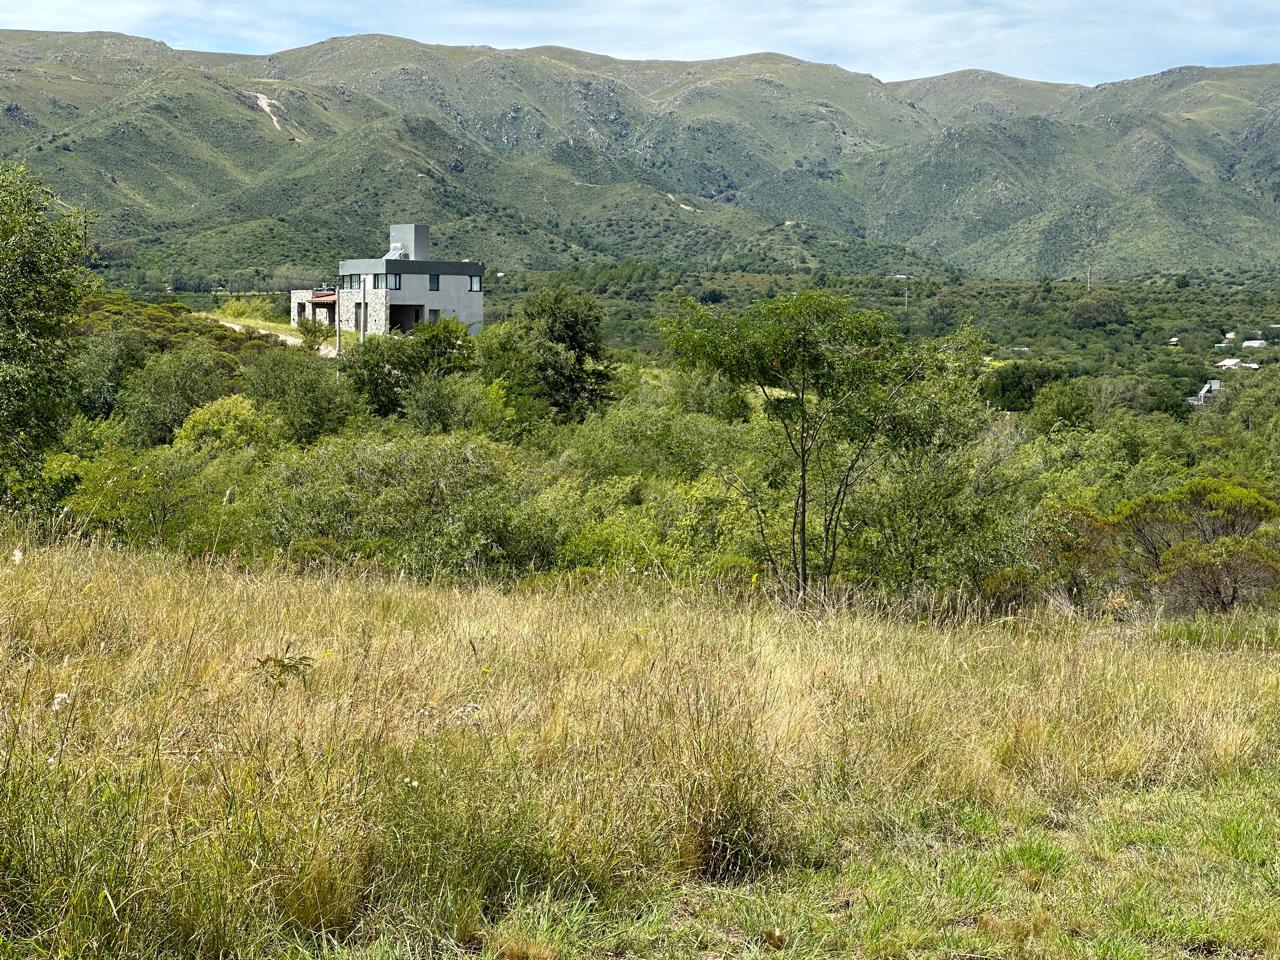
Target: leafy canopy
(42, 280)
(844, 389)
(550, 354)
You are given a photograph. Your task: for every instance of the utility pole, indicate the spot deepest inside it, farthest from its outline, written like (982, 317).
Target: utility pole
(364, 308)
(337, 320)
(906, 288)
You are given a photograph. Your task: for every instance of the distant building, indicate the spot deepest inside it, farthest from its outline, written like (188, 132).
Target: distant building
(1229, 364)
(1175, 341)
(1253, 344)
(1207, 393)
(398, 290)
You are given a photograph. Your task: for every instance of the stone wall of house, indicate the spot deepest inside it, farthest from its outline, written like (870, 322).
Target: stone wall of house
(379, 319)
(297, 297)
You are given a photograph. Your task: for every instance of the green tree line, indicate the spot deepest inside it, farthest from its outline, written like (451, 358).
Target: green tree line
(801, 443)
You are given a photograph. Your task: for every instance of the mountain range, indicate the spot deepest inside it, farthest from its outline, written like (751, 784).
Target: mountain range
(545, 157)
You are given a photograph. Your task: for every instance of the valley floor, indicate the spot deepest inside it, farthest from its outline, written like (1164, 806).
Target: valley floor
(202, 762)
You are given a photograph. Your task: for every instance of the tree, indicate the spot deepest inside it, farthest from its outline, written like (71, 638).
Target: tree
(103, 364)
(158, 398)
(42, 280)
(303, 391)
(383, 370)
(843, 388)
(549, 354)
(1014, 385)
(1094, 312)
(313, 331)
(1203, 545)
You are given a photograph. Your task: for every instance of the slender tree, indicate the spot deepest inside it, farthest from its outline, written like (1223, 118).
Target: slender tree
(843, 387)
(42, 280)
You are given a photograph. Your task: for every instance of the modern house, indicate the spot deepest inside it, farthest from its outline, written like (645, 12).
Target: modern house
(1208, 393)
(399, 290)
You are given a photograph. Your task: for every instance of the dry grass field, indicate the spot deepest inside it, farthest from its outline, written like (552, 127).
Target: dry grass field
(205, 762)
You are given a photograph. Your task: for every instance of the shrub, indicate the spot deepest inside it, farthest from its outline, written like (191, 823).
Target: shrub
(1218, 575)
(303, 391)
(314, 331)
(461, 402)
(259, 308)
(227, 424)
(696, 391)
(179, 498)
(1201, 545)
(1014, 385)
(160, 396)
(1062, 403)
(417, 504)
(384, 370)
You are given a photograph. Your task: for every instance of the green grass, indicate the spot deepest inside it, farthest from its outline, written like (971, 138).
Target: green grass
(279, 328)
(199, 762)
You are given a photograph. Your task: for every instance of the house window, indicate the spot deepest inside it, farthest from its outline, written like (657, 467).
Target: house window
(433, 315)
(379, 281)
(433, 281)
(475, 285)
(393, 281)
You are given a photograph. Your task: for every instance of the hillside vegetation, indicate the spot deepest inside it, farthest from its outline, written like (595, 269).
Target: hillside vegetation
(212, 164)
(200, 762)
(818, 630)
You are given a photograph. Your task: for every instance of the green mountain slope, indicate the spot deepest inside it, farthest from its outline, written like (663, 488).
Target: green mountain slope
(547, 157)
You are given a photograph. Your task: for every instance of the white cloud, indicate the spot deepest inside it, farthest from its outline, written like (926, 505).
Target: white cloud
(1085, 40)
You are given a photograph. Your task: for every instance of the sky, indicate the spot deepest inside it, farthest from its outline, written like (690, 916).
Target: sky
(1080, 41)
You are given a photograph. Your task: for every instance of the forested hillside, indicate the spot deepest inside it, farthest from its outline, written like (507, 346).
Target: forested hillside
(214, 165)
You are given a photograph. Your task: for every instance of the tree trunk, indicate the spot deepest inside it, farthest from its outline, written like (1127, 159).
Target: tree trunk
(802, 520)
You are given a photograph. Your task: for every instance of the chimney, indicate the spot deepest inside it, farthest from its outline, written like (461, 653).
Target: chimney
(412, 239)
